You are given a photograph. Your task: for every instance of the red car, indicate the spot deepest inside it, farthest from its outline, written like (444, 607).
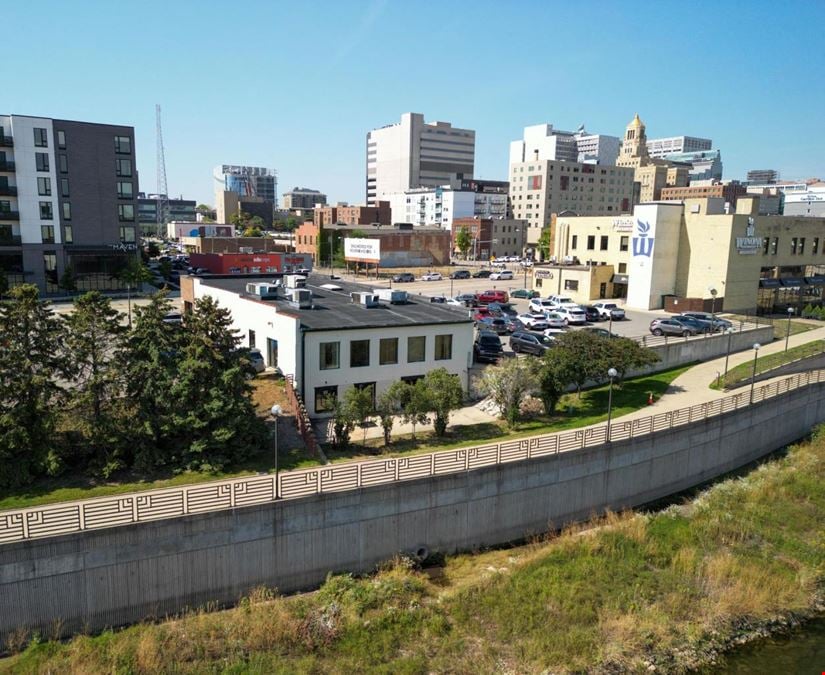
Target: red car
(487, 297)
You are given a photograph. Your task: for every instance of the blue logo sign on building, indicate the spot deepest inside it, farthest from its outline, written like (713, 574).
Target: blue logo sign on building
(643, 242)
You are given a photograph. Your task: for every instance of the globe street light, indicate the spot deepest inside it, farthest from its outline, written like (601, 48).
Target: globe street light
(275, 411)
(713, 293)
(611, 373)
(788, 331)
(756, 347)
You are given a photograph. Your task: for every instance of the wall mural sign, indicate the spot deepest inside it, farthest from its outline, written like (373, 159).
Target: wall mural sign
(642, 242)
(749, 244)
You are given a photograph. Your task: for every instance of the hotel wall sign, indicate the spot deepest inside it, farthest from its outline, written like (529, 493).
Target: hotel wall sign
(749, 244)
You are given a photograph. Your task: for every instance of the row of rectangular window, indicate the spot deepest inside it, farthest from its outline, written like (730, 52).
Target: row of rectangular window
(123, 167)
(123, 144)
(624, 242)
(330, 352)
(771, 246)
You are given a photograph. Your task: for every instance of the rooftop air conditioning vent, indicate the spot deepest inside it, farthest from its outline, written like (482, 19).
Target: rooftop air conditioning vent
(263, 289)
(364, 299)
(300, 298)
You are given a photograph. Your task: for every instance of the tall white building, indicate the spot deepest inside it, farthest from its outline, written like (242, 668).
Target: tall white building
(659, 148)
(413, 153)
(543, 142)
(439, 206)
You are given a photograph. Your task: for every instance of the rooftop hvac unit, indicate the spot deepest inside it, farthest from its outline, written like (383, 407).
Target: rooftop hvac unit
(392, 296)
(300, 298)
(263, 289)
(295, 281)
(365, 299)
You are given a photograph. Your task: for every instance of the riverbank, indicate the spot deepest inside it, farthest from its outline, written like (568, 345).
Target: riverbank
(669, 591)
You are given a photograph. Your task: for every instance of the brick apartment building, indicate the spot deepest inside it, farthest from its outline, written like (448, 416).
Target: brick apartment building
(353, 215)
(730, 192)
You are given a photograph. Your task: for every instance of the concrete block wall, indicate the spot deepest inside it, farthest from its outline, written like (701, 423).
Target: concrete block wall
(102, 578)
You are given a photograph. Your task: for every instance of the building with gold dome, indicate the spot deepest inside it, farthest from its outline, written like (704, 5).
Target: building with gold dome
(651, 174)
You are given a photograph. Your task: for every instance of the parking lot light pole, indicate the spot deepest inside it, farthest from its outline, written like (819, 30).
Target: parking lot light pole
(756, 347)
(275, 411)
(788, 331)
(611, 373)
(730, 331)
(713, 293)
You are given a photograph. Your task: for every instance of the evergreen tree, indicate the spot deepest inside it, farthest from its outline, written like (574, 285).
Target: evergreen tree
(134, 274)
(212, 392)
(93, 335)
(148, 362)
(31, 361)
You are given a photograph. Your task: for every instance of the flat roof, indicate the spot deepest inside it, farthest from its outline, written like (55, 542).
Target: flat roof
(334, 310)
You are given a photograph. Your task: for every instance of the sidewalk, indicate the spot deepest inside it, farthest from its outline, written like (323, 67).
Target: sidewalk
(690, 388)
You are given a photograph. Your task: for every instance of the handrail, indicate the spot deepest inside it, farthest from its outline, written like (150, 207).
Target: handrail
(103, 512)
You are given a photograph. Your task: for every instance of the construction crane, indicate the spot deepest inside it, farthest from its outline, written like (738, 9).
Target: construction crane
(162, 214)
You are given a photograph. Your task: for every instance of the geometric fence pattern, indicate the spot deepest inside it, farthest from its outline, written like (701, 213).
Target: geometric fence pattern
(102, 512)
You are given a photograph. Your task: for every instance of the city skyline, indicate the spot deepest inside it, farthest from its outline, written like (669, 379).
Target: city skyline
(624, 58)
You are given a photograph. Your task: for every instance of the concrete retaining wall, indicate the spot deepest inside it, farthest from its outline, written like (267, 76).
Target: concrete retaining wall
(111, 577)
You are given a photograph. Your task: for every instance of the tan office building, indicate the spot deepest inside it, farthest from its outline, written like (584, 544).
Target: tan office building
(670, 255)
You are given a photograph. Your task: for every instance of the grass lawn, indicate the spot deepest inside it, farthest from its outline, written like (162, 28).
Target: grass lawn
(743, 371)
(780, 325)
(658, 592)
(573, 411)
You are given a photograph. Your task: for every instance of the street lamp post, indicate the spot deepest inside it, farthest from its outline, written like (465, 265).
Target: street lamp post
(275, 411)
(756, 347)
(730, 331)
(611, 373)
(713, 293)
(788, 331)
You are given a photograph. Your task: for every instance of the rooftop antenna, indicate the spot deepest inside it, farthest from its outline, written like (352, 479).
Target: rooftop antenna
(163, 194)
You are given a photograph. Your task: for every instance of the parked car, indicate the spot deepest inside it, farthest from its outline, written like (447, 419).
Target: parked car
(494, 323)
(592, 313)
(698, 324)
(555, 320)
(541, 305)
(524, 293)
(487, 346)
(438, 298)
(460, 274)
(487, 297)
(530, 343)
(455, 303)
(256, 360)
(173, 317)
(534, 321)
(481, 274)
(404, 277)
(503, 308)
(553, 333)
(526, 263)
(717, 323)
(671, 327)
(481, 313)
(559, 300)
(467, 299)
(610, 310)
(601, 332)
(431, 276)
(503, 275)
(573, 313)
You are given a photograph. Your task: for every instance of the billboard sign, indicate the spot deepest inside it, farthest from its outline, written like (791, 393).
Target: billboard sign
(362, 250)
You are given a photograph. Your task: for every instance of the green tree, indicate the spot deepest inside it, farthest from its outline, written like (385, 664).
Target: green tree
(445, 395)
(4, 283)
(553, 379)
(625, 354)
(544, 243)
(133, 274)
(213, 393)
(31, 361)
(93, 333)
(165, 269)
(343, 422)
(359, 402)
(152, 249)
(508, 384)
(388, 407)
(67, 280)
(291, 223)
(415, 404)
(463, 240)
(584, 356)
(148, 361)
(252, 231)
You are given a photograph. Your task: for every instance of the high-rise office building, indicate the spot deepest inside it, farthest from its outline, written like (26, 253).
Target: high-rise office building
(763, 176)
(662, 147)
(303, 198)
(543, 142)
(68, 210)
(248, 181)
(413, 153)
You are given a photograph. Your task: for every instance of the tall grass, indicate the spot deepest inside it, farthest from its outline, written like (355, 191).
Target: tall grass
(620, 593)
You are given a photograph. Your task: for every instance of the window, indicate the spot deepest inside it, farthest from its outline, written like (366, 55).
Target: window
(794, 243)
(326, 397)
(41, 160)
(622, 268)
(774, 245)
(61, 139)
(63, 163)
(330, 355)
(359, 353)
(251, 339)
(46, 212)
(801, 245)
(47, 234)
(50, 269)
(571, 284)
(127, 234)
(44, 187)
(123, 145)
(416, 348)
(766, 242)
(67, 211)
(125, 212)
(387, 351)
(124, 190)
(603, 243)
(41, 138)
(815, 246)
(123, 167)
(64, 187)
(574, 242)
(443, 347)
(591, 242)
(68, 235)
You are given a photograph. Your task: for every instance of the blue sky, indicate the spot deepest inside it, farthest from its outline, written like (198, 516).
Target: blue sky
(297, 85)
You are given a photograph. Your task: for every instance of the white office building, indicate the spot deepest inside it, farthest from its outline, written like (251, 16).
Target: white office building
(543, 142)
(660, 148)
(439, 206)
(413, 153)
